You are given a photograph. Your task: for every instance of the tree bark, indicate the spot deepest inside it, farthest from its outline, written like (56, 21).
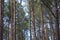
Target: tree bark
(1, 18)
(32, 21)
(46, 33)
(57, 21)
(42, 24)
(51, 27)
(14, 20)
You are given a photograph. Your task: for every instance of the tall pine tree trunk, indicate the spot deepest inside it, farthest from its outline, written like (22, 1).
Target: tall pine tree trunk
(46, 33)
(1, 19)
(57, 21)
(42, 24)
(32, 21)
(51, 27)
(10, 19)
(14, 20)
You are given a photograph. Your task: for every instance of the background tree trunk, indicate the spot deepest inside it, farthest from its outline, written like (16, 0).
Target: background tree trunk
(42, 24)
(30, 19)
(32, 28)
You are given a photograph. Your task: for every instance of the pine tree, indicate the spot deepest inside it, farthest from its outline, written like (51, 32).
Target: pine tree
(1, 18)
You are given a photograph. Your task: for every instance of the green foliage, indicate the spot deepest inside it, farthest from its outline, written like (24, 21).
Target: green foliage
(21, 19)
